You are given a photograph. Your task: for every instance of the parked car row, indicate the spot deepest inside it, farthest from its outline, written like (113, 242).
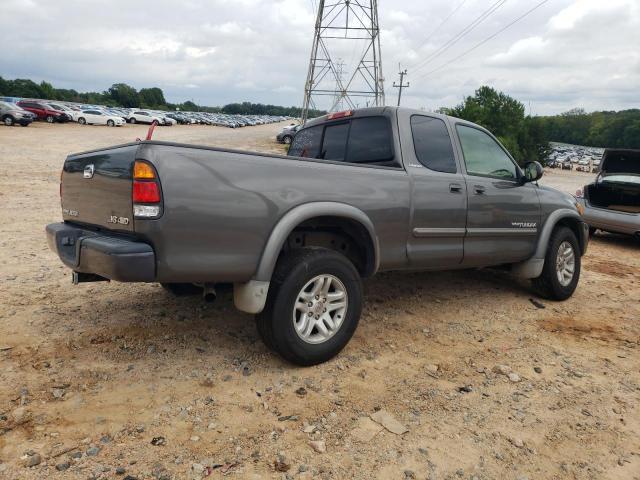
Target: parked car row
(25, 111)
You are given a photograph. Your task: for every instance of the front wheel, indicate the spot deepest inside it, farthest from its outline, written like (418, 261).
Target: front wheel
(110, 123)
(287, 140)
(8, 120)
(561, 271)
(132, 120)
(82, 121)
(50, 119)
(313, 306)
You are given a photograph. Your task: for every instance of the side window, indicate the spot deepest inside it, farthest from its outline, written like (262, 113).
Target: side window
(334, 146)
(306, 143)
(370, 141)
(483, 156)
(432, 144)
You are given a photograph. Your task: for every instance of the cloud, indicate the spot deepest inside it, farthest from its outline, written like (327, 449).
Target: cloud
(567, 53)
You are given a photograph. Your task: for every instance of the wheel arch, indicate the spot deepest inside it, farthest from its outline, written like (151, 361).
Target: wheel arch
(571, 219)
(346, 214)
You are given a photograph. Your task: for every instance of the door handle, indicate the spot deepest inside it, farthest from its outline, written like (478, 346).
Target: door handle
(478, 189)
(455, 188)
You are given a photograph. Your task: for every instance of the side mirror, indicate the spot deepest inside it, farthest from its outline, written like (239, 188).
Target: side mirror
(533, 171)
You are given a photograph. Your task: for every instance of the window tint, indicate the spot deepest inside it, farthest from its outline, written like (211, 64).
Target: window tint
(483, 156)
(432, 144)
(334, 145)
(306, 143)
(369, 140)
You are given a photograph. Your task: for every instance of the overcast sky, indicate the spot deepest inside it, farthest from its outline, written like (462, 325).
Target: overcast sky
(568, 53)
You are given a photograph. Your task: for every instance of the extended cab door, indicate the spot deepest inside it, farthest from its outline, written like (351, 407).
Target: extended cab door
(438, 192)
(503, 215)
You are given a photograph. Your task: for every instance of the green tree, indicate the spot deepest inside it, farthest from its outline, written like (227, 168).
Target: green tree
(124, 95)
(504, 117)
(151, 97)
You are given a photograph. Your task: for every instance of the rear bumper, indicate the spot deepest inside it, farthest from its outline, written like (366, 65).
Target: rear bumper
(107, 255)
(611, 220)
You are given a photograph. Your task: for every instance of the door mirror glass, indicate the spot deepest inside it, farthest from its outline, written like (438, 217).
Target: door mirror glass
(532, 171)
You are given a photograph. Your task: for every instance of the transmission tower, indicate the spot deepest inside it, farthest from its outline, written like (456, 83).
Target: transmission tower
(341, 24)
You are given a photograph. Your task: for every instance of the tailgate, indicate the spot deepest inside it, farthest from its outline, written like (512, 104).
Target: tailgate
(96, 188)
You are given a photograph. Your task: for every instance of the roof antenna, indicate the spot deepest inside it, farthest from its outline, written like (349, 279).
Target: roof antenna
(150, 131)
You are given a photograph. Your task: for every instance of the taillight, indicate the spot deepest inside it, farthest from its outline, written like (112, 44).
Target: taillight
(146, 192)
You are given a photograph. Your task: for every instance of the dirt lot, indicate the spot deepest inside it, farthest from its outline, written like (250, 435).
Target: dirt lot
(114, 380)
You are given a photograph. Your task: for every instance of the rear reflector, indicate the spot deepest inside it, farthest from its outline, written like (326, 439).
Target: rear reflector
(142, 170)
(145, 192)
(146, 211)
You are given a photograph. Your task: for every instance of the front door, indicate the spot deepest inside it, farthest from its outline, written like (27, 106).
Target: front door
(503, 215)
(439, 199)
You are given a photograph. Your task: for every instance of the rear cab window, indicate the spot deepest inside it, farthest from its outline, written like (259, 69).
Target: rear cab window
(363, 140)
(432, 144)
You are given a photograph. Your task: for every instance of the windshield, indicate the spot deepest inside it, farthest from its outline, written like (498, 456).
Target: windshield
(13, 106)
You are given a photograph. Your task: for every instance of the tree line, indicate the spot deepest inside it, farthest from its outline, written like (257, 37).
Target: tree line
(526, 137)
(123, 95)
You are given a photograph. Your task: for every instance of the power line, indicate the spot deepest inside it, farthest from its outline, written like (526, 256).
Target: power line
(460, 35)
(426, 40)
(479, 44)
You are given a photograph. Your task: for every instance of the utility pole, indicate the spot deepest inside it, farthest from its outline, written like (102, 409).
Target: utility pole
(337, 22)
(401, 85)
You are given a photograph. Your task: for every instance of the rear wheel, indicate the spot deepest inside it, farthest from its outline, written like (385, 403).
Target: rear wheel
(561, 271)
(287, 139)
(313, 306)
(8, 120)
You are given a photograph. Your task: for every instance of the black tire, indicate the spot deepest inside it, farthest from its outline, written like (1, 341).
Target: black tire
(111, 123)
(50, 119)
(548, 283)
(592, 231)
(132, 120)
(82, 121)
(182, 289)
(293, 271)
(8, 120)
(287, 139)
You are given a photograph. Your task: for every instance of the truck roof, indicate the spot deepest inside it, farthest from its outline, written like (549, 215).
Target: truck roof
(371, 111)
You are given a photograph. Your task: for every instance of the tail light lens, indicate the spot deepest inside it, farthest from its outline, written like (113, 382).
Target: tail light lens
(146, 193)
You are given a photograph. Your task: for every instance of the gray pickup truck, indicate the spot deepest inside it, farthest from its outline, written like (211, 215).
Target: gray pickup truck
(360, 192)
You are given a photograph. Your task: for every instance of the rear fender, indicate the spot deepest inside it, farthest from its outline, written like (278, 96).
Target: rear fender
(251, 296)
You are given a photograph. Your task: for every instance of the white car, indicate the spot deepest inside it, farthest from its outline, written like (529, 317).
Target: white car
(96, 117)
(63, 108)
(140, 116)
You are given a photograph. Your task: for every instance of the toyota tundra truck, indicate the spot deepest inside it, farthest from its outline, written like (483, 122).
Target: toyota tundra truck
(359, 192)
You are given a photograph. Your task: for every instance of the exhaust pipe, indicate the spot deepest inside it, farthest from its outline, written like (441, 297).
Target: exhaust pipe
(209, 292)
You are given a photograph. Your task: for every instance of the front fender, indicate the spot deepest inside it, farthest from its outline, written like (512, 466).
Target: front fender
(532, 267)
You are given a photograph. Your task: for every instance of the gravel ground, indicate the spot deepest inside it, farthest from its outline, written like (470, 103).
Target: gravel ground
(454, 375)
